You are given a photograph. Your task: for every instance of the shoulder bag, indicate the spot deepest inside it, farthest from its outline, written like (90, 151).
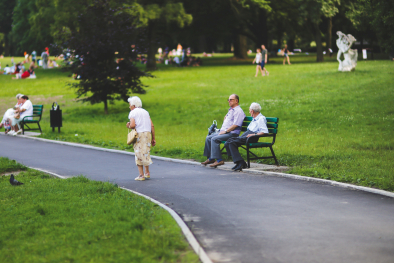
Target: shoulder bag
(131, 136)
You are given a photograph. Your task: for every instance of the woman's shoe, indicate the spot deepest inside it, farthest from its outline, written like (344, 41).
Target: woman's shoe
(140, 178)
(11, 132)
(147, 176)
(18, 132)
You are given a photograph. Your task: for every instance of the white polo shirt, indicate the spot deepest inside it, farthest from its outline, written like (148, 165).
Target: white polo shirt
(28, 106)
(142, 120)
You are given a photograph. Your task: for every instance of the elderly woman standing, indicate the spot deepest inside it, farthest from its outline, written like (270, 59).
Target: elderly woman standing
(141, 121)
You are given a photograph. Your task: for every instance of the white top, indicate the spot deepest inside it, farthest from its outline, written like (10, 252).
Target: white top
(142, 120)
(258, 124)
(28, 106)
(258, 58)
(7, 70)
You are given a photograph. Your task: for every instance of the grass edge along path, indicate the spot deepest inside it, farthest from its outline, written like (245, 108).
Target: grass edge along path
(76, 219)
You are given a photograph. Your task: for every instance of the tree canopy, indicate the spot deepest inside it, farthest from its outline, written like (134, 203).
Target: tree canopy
(103, 50)
(207, 25)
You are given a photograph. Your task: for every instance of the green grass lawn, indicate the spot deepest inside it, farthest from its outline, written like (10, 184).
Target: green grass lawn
(78, 220)
(333, 125)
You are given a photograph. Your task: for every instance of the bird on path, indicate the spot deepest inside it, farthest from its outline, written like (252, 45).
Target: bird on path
(13, 181)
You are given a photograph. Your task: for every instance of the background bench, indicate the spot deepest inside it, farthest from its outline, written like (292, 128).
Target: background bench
(272, 124)
(37, 113)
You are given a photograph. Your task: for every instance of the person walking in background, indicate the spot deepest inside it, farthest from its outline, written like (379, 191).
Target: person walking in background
(231, 127)
(34, 56)
(44, 58)
(285, 52)
(258, 60)
(141, 121)
(264, 60)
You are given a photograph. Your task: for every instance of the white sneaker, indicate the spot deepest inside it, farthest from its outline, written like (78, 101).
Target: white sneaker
(11, 132)
(18, 132)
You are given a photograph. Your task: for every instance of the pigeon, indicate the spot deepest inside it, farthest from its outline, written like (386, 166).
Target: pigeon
(13, 181)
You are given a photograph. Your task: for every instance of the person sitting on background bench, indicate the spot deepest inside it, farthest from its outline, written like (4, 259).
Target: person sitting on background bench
(25, 110)
(10, 113)
(258, 126)
(231, 128)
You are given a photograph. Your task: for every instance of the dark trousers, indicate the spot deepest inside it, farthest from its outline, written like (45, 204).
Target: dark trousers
(233, 144)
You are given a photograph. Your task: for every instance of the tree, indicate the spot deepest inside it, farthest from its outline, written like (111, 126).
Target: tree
(6, 8)
(104, 47)
(151, 14)
(252, 22)
(377, 16)
(313, 11)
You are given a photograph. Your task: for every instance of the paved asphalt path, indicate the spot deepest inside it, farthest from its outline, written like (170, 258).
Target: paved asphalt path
(239, 217)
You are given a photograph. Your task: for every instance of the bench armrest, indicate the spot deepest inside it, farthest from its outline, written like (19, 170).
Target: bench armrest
(35, 115)
(259, 136)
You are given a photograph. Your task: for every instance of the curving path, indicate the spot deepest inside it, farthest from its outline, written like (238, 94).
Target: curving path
(239, 217)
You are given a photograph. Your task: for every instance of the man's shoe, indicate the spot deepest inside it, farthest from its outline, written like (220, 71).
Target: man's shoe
(216, 164)
(208, 162)
(235, 166)
(241, 165)
(238, 168)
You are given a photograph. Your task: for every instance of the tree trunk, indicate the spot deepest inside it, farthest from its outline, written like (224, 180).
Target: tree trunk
(319, 46)
(7, 46)
(260, 29)
(329, 36)
(105, 106)
(151, 56)
(290, 44)
(240, 47)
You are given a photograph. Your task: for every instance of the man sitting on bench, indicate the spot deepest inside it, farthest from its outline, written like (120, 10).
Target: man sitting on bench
(258, 126)
(231, 128)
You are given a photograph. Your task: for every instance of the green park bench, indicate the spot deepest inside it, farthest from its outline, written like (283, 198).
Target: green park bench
(37, 113)
(272, 125)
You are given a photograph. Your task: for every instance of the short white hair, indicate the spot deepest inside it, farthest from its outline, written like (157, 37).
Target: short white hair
(255, 107)
(135, 101)
(18, 96)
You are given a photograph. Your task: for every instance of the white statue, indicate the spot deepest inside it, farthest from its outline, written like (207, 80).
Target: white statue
(344, 42)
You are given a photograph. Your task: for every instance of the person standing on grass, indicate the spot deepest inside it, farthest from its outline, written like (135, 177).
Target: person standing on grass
(258, 126)
(286, 54)
(264, 60)
(231, 127)
(44, 58)
(141, 121)
(258, 60)
(34, 56)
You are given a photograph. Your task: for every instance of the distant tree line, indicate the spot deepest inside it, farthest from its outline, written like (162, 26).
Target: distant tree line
(207, 25)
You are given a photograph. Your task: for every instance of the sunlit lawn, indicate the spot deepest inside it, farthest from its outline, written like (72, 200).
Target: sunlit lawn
(78, 220)
(332, 125)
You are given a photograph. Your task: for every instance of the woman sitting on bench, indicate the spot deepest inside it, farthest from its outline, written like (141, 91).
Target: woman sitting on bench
(10, 113)
(25, 110)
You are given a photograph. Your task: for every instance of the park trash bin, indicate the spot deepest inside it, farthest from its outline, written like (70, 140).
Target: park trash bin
(56, 117)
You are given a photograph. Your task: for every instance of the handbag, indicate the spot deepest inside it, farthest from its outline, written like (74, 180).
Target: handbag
(131, 137)
(213, 128)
